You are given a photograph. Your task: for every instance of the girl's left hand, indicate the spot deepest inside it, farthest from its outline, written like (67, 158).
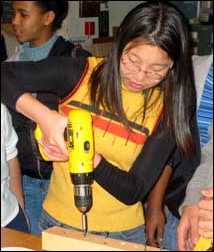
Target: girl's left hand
(97, 159)
(155, 222)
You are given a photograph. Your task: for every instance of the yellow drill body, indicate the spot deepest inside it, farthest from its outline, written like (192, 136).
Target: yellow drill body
(81, 154)
(80, 142)
(80, 146)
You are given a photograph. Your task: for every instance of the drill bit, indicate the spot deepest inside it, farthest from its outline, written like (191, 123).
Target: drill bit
(84, 224)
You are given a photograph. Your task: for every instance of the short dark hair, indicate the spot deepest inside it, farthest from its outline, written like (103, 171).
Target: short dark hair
(160, 24)
(59, 7)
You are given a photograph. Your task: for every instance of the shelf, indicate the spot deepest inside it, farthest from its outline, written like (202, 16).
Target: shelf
(103, 40)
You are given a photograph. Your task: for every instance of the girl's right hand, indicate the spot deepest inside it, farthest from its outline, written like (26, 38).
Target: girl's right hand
(51, 123)
(53, 144)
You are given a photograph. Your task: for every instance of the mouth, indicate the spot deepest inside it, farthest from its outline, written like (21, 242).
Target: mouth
(134, 86)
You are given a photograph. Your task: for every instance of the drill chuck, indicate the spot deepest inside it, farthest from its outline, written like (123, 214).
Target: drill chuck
(83, 197)
(82, 191)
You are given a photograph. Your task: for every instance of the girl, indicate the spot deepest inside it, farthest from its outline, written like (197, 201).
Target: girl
(143, 104)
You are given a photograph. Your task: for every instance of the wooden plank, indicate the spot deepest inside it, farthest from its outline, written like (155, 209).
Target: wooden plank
(60, 239)
(13, 238)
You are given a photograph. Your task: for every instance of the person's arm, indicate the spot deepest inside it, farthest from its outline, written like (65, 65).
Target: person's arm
(10, 140)
(155, 217)
(128, 187)
(134, 185)
(46, 76)
(16, 180)
(58, 75)
(35, 110)
(183, 170)
(203, 176)
(189, 229)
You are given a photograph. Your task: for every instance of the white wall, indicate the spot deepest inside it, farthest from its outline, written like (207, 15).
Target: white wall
(118, 10)
(73, 26)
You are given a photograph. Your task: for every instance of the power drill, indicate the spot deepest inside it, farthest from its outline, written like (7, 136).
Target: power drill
(80, 146)
(81, 154)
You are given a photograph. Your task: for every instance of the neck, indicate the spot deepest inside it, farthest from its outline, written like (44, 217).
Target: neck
(42, 40)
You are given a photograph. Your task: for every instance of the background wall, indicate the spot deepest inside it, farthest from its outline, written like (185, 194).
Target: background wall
(199, 13)
(74, 26)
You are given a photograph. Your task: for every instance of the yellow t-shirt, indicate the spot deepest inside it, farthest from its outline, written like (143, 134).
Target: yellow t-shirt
(116, 145)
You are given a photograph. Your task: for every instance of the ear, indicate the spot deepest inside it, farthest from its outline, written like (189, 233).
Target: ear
(49, 17)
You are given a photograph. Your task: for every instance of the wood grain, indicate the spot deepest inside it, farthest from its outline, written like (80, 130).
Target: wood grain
(60, 239)
(13, 238)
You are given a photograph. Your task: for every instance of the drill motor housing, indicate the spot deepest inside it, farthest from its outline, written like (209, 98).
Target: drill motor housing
(81, 154)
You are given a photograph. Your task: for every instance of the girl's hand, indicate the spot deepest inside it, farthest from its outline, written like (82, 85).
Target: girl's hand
(155, 222)
(205, 205)
(97, 159)
(51, 123)
(52, 142)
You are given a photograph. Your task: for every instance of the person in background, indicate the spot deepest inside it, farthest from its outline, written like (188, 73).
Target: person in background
(35, 24)
(12, 201)
(197, 208)
(143, 104)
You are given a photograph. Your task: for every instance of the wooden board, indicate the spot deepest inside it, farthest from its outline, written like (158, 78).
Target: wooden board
(13, 238)
(60, 239)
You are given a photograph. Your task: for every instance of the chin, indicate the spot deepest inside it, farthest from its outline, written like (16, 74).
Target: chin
(23, 39)
(134, 90)
(20, 40)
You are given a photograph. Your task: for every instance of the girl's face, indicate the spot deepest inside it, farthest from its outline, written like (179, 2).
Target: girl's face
(143, 66)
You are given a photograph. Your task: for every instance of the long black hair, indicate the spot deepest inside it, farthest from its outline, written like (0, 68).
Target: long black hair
(59, 7)
(161, 25)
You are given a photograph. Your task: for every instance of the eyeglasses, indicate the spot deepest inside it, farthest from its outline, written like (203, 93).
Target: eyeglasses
(135, 67)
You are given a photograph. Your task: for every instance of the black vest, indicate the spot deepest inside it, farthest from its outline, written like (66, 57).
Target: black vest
(31, 163)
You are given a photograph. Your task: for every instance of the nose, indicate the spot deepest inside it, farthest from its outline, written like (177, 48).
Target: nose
(140, 75)
(15, 19)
